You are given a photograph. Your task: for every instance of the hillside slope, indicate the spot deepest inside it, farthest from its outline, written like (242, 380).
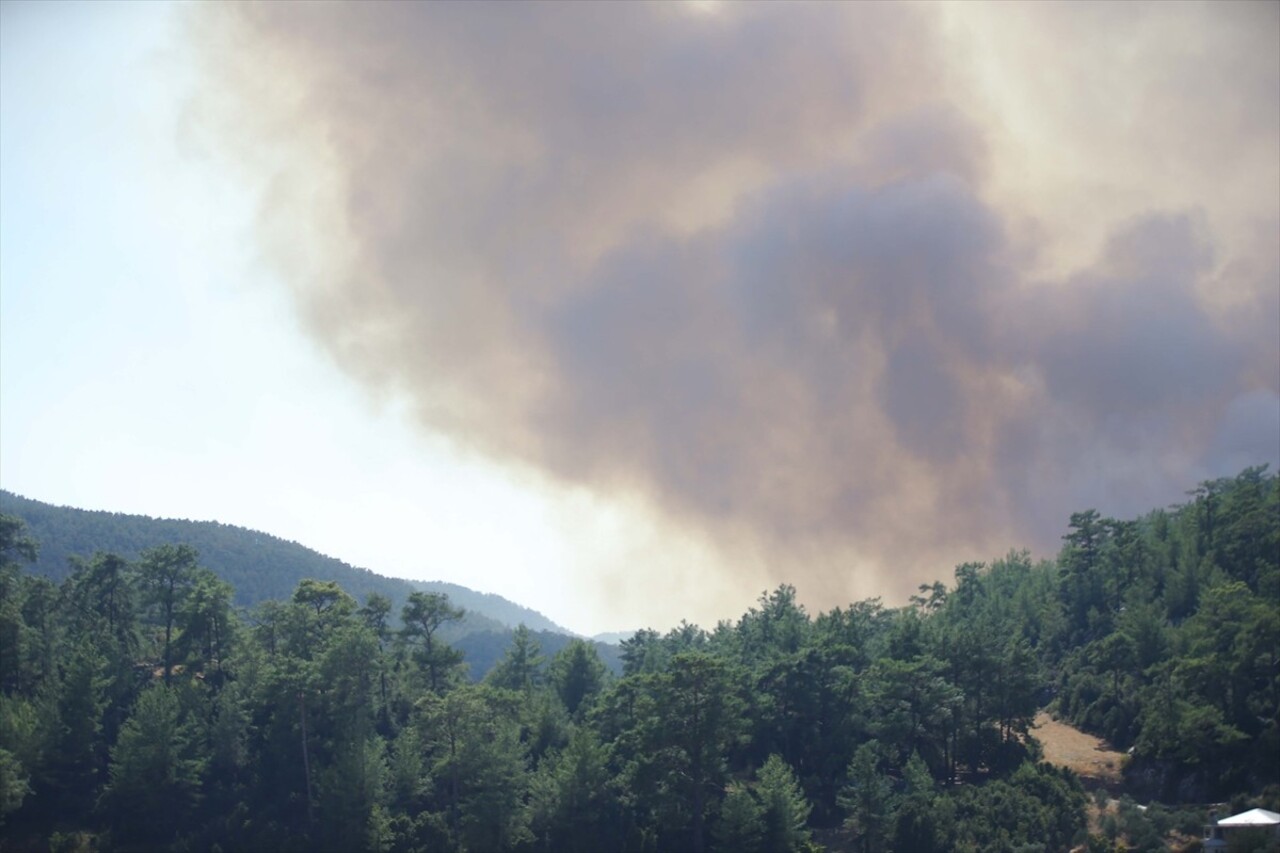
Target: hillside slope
(258, 565)
(494, 606)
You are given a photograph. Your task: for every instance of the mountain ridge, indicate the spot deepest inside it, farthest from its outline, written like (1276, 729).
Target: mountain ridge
(258, 564)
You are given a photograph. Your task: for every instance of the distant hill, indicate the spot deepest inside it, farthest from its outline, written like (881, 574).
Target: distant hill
(613, 637)
(258, 565)
(494, 606)
(483, 649)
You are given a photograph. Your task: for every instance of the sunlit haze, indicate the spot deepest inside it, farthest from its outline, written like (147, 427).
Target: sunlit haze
(628, 312)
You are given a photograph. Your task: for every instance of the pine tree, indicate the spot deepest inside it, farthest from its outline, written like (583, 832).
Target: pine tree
(867, 800)
(155, 770)
(785, 810)
(740, 828)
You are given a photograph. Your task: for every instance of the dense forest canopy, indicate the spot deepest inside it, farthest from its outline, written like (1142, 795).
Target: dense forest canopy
(140, 708)
(261, 567)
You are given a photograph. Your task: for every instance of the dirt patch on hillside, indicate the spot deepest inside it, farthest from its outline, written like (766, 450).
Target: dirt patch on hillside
(1092, 759)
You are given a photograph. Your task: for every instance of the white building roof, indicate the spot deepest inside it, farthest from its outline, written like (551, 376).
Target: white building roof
(1253, 817)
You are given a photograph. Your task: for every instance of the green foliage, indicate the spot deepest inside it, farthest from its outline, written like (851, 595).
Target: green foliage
(74, 752)
(350, 792)
(474, 738)
(155, 771)
(572, 805)
(260, 567)
(784, 809)
(922, 819)
(15, 547)
(1181, 662)
(165, 574)
(867, 800)
(423, 617)
(521, 666)
(15, 544)
(14, 785)
(741, 824)
(140, 709)
(577, 674)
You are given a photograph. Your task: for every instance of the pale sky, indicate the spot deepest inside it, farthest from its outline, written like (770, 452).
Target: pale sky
(149, 364)
(628, 315)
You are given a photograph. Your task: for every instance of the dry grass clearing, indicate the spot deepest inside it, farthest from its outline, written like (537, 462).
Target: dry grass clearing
(1093, 760)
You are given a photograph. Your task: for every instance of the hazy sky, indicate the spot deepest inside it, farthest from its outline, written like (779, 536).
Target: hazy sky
(631, 311)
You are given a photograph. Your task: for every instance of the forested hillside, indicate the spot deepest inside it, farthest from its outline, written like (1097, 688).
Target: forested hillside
(493, 607)
(258, 566)
(138, 711)
(261, 567)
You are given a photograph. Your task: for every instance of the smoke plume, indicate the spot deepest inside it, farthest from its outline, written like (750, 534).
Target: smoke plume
(858, 292)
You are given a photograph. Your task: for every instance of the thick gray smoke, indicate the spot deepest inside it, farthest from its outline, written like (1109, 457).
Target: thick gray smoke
(752, 264)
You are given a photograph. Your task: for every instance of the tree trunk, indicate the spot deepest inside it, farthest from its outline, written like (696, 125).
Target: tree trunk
(306, 761)
(697, 803)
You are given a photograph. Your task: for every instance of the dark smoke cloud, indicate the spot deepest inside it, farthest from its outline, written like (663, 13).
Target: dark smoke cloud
(744, 265)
